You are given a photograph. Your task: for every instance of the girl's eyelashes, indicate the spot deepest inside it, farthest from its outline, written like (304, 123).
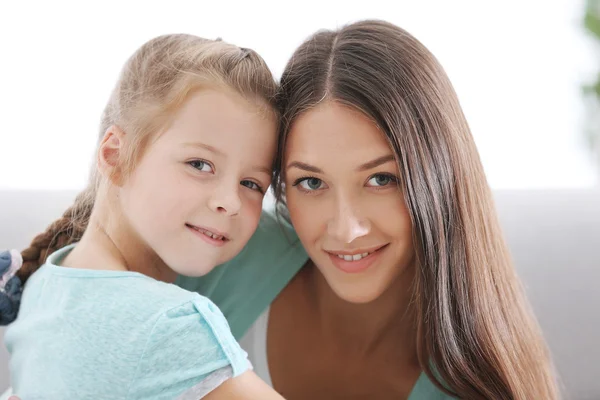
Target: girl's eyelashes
(201, 165)
(252, 186)
(207, 167)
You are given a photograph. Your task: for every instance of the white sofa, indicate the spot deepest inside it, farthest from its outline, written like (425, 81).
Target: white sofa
(554, 237)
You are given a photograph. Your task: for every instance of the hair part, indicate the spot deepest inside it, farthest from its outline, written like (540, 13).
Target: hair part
(156, 80)
(476, 335)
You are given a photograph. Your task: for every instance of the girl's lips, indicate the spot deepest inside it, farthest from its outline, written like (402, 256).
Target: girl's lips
(208, 235)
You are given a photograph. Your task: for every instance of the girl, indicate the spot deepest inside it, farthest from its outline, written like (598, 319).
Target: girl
(407, 290)
(184, 159)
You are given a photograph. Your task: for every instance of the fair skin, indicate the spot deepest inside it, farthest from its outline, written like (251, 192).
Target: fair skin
(343, 197)
(193, 200)
(191, 203)
(351, 333)
(353, 316)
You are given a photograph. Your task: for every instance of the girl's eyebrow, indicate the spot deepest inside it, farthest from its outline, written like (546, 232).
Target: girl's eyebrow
(263, 169)
(210, 148)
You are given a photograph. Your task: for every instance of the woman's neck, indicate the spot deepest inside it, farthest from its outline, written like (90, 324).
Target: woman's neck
(383, 326)
(109, 243)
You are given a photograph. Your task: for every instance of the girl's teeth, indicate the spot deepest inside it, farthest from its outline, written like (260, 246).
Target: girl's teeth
(354, 257)
(212, 235)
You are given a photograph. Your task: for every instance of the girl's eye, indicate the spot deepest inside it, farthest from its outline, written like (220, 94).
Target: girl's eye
(201, 165)
(380, 180)
(252, 185)
(309, 184)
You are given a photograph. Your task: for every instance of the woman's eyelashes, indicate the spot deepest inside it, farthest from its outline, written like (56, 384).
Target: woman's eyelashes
(382, 180)
(377, 181)
(309, 184)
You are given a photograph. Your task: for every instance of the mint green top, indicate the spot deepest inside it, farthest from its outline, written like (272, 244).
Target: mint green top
(244, 287)
(100, 334)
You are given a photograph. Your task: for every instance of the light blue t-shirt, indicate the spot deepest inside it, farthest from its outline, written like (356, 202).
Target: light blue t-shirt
(90, 334)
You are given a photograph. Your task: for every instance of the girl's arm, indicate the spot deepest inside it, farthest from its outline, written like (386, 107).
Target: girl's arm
(247, 386)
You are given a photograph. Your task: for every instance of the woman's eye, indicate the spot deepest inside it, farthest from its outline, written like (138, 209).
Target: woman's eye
(309, 184)
(201, 165)
(251, 185)
(380, 180)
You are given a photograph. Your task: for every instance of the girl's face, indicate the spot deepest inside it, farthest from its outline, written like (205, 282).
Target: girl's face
(345, 202)
(196, 196)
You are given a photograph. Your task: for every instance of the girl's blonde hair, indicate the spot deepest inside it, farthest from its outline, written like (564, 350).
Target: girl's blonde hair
(153, 84)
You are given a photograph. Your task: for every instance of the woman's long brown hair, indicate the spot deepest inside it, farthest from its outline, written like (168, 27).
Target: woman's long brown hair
(477, 338)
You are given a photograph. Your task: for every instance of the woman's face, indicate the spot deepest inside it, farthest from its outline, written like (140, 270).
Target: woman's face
(344, 198)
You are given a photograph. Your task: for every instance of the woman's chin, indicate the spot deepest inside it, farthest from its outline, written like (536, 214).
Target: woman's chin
(366, 287)
(357, 292)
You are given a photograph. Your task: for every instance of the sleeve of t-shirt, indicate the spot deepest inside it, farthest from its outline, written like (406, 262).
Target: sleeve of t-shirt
(190, 351)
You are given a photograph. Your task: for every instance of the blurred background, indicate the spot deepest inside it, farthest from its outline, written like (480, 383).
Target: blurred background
(526, 72)
(518, 67)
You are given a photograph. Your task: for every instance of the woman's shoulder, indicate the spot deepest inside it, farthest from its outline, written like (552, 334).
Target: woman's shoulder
(243, 287)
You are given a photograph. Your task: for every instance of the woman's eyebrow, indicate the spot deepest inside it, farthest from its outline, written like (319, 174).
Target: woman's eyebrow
(376, 162)
(364, 167)
(304, 166)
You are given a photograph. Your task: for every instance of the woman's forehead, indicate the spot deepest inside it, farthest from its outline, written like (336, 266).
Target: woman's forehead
(334, 125)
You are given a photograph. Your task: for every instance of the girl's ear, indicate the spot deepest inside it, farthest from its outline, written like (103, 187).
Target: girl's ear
(110, 153)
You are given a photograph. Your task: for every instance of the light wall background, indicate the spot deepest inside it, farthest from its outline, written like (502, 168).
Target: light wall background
(517, 67)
